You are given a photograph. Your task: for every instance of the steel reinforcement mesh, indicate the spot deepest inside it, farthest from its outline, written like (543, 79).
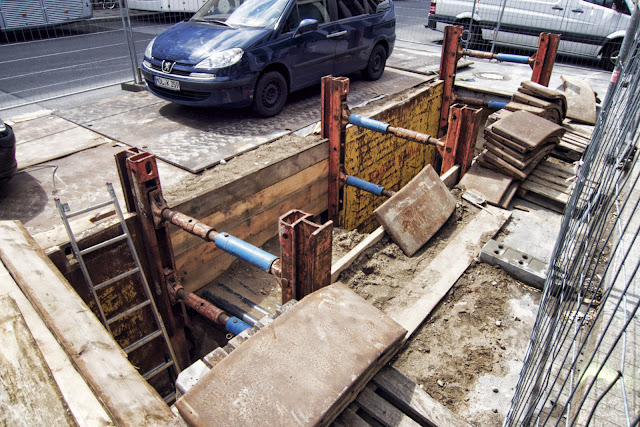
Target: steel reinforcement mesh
(581, 366)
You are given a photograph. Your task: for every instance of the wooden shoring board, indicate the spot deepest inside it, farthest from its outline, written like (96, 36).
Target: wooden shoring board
(127, 397)
(82, 403)
(28, 390)
(430, 285)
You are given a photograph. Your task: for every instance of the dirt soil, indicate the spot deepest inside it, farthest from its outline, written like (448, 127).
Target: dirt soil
(467, 354)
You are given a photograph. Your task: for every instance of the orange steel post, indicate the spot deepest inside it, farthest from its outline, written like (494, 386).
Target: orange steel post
(459, 143)
(451, 53)
(334, 104)
(305, 254)
(544, 58)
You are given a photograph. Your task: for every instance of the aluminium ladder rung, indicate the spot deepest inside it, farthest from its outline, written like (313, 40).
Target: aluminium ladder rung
(115, 279)
(129, 311)
(155, 371)
(89, 209)
(103, 244)
(142, 341)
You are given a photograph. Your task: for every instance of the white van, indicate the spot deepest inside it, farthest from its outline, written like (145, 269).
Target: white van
(593, 28)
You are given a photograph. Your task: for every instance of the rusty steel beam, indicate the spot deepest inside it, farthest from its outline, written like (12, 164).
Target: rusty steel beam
(459, 143)
(143, 185)
(305, 253)
(451, 53)
(544, 59)
(333, 119)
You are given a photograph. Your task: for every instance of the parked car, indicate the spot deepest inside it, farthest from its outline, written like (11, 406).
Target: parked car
(260, 51)
(589, 28)
(8, 164)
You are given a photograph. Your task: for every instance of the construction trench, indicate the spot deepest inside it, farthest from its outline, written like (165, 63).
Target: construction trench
(302, 291)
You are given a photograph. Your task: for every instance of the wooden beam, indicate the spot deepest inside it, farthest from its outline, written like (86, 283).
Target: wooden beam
(412, 400)
(430, 285)
(84, 406)
(381, 410)
(128, 398)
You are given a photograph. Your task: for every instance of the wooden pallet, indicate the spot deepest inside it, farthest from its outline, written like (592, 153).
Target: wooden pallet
(573, 144)
(549, 185)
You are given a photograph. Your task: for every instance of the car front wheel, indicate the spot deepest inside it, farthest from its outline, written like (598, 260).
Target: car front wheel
(377, 61)
(270, 94)
(610, 55)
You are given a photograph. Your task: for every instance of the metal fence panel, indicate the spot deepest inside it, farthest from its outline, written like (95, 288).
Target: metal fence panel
(581, 367)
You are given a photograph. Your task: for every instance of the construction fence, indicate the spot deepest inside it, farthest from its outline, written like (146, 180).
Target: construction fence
(581, 366)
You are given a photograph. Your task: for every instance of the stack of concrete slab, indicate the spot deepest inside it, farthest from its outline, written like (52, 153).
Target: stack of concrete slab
(539, 100)
(515, 144)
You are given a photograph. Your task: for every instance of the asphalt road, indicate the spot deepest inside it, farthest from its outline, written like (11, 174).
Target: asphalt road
(44, 64)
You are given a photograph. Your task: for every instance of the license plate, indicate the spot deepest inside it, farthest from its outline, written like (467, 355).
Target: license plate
(167, 83)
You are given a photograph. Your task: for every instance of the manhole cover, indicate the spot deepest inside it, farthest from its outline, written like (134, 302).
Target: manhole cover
(491, 76)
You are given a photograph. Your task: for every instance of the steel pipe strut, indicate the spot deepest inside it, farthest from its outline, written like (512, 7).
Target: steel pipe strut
(496, 105)
(190, 224)
(367, 186)
(385, 128)
(502, 57)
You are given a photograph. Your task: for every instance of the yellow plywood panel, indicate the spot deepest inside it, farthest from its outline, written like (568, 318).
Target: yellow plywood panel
(387, 160)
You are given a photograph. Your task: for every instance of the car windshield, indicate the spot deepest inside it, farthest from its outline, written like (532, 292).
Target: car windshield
(239, 13)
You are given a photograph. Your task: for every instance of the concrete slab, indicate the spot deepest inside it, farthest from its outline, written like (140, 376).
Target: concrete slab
(321, 352)
(196, 138)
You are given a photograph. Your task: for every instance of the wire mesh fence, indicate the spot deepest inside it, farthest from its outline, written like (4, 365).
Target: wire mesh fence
(55, 48)
(581, 365)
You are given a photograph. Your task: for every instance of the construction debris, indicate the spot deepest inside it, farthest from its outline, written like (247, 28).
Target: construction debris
(539, 100)
(581, 99)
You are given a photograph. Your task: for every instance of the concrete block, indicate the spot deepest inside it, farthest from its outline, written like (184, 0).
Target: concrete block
(190, 376)
(303, 368)
(520, 265)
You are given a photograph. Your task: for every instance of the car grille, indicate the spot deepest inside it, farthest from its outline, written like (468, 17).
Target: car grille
(185, 95)
(174, 71)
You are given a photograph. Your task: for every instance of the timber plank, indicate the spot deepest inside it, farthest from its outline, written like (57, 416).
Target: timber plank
(554, 178)
(549, 193)
(250, 206)
(84, 406)
(242, 187)
(344, 262)
(430, 285)
(381, 410)
(411, 399)
(349, 418)
(547, 183)
(128, 398)
(28, 395)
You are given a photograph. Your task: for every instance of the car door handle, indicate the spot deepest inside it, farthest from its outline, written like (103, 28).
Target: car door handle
(577, 10)
(338, 34)
(557, 8)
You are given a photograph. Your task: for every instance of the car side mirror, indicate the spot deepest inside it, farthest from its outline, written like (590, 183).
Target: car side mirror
(306, 25)
(383, 6)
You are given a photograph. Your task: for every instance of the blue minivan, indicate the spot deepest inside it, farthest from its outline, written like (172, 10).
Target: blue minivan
(234, 54)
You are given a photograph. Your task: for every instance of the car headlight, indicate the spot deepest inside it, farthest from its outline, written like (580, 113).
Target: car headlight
(222, 59)
(147, 52)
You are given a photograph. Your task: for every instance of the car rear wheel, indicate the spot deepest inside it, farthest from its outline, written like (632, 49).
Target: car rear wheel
(377, 61)
(610, 55)
(270, 94)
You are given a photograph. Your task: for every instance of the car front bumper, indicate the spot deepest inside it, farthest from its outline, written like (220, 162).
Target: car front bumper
(206, 92)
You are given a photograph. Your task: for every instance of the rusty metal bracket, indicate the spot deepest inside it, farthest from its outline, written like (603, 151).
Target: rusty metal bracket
(305, 254)
(335, 116)
(142, 185)
(544, 58)
(459, 143)
(451, 52)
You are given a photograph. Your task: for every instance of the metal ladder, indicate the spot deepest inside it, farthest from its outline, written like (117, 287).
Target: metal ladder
(161, 331)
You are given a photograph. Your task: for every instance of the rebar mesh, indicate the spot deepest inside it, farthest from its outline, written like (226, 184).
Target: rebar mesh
(581, 364)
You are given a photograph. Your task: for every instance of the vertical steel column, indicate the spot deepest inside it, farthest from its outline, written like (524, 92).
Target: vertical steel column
(143, 184)
(334, 104)
(544, 58)
(459, 143)
(305, 253)
(451, 53)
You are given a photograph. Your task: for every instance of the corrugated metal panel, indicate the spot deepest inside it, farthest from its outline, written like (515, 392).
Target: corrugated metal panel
(22, 13)
(63, 10)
